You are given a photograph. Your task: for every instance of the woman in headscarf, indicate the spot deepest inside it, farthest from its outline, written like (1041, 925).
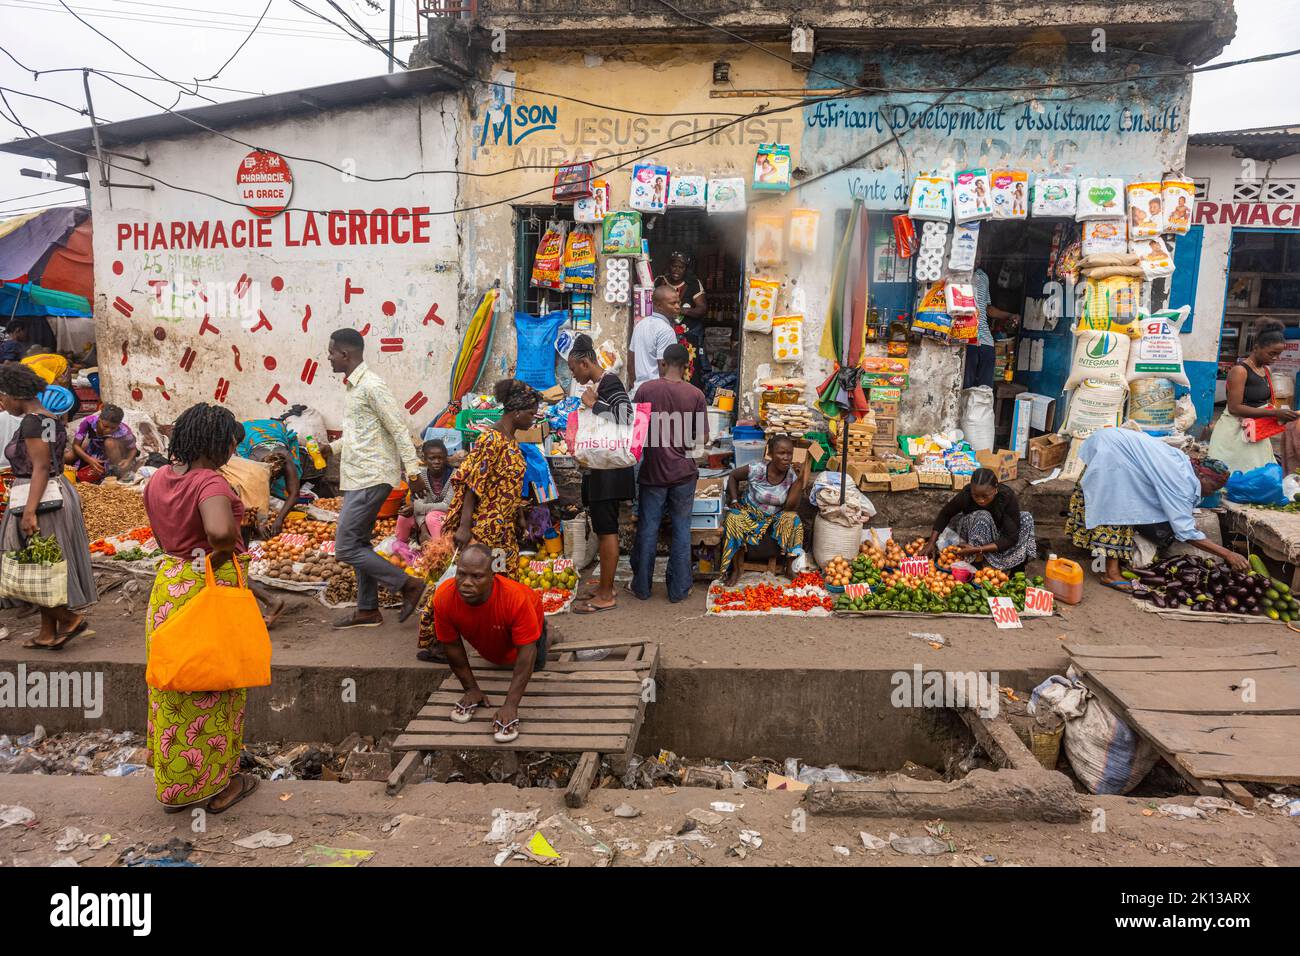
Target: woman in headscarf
(1250, 395)
(986, 516)
(1138, 484)
(488, 495)
(270, 442)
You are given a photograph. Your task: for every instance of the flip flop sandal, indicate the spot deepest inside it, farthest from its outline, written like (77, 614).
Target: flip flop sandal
(463, 714)
(505, 733)
(590, 608)
(60, 639)
(247, 785)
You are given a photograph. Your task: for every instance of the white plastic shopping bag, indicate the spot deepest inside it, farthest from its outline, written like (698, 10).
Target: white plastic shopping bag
(603, 442)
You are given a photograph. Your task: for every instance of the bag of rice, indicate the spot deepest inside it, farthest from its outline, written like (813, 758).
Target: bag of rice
(1159, 352)
(1100, 198)
(1094, 405)
(1178, 196)
(1152, 406)
(1145, 215)
(1100, 356)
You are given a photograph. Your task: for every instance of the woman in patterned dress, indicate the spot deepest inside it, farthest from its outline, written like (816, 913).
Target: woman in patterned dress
(767, 509)
(489, 492)
(196, 737)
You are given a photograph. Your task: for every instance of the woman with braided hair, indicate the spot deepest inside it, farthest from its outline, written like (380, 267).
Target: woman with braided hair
(52, 506)
(196, 737)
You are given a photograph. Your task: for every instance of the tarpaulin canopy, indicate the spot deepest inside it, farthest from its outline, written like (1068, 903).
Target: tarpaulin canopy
(471, 356)
(25, 245)
(27, 298)
(71, 264)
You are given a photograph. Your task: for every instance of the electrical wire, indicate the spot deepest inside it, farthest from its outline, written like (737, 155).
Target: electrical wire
(141, 16)
(34, 195)
(265, 11)
(54, 205)
(37, 74)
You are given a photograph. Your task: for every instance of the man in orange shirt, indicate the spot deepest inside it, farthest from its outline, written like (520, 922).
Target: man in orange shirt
(502, 620)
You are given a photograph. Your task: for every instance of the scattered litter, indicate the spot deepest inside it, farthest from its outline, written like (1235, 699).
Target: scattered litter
(872, 842)
(626, 811)
(777, 781)
(1284, 804)
(937, 829)
(934, 640)
(4, 633)
(505, 854)
(285, 796)
(1213, 804)
(175, 852)
(841, 850)
(586, 834)
(1180, 812)
(918, 845)
(65, 861)
(990, 858)
(705, 817)
(264, 839)
(71, 839)
(592, 654)
(320, 855)
(12, 815)
(124, 769)
(506, 823)
(624, 845)
(657, 848)
(751, 838)
(722, 806)
(540, 848)
(831, 774)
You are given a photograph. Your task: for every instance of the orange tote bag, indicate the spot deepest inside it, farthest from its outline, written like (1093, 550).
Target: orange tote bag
(218, 641)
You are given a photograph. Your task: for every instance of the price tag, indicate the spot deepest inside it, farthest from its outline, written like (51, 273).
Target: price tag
(326, 547)
(562, 564)
(1039, 602)
(857, 590)
(916, 567)
(294, 540)
(1004, 612)
(539, 567)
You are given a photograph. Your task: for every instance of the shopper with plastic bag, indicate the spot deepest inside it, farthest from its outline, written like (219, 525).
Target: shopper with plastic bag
(1241, 435)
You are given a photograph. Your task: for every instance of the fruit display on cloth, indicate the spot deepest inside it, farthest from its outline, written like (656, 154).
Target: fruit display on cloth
(556, 578)
(1203, 584)
(948, 555)
(110, 508)
(329, 504)
(317, 532)
(991, 577)
(861, 570)
(890, 556)
(936, 592)
(137, 544)
(837, 572)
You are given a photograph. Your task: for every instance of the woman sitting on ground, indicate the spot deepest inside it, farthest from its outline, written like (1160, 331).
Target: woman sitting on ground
(1136, 483)
(269, 441)
(767, 509)
(423, 515)
(986, 516)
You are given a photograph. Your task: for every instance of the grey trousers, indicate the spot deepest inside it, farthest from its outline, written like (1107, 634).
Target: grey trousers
(352, 545)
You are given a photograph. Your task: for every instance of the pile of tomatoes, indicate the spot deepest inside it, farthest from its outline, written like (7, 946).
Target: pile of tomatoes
(766, 597)
(554, 599)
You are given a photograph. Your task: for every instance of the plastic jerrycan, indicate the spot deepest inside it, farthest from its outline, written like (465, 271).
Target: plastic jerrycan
(1064, 579)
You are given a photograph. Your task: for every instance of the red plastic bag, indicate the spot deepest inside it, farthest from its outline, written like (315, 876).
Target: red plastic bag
(904, 236)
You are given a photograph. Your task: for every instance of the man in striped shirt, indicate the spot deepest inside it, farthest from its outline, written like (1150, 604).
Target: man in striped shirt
(981, 356)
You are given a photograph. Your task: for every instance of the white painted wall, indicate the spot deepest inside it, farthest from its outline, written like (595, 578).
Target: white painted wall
(402, 282)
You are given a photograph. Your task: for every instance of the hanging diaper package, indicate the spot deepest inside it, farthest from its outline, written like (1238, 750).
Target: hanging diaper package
(1054, 196)
(1100, 356)
(621, 234)
(649, 190)
(572, 182)
(760, 304)
(1159, 352)
(1010, 193)
(768, 240)
(1156, 260)
(1179, 197)
(971, 195)
(580, 260)
(772, 168)
(548, 264)
(929, 257)
(686, 191)
(787, 338)
(726, 195)
(803, 230)
(1103, 236)
(1100, 199)
(965, 237)
(1145, 210)
(593, 207)
(931, 198)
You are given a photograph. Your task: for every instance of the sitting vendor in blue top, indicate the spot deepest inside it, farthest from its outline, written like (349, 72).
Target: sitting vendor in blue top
(1138, 484)
(767, 509)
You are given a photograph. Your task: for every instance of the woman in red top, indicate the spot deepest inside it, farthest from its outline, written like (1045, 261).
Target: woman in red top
(196, 738)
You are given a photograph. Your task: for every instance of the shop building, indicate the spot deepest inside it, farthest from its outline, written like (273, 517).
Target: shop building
(1240, 262)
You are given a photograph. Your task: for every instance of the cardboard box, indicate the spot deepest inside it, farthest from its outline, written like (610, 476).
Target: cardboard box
(1003, 463)
(872, 487)
(886, 430)
(1032, 411)
(934, 479)
(710, 487)
(884, 396)
(535, 435)
(960, 481)
(884, 410)
(1072, 468)
(905, 482)
(1048, 451)
(805, 450)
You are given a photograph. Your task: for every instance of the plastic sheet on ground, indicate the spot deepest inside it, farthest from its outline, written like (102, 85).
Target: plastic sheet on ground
(754, 579)
(1205, 617)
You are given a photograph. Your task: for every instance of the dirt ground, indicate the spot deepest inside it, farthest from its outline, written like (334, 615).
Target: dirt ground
(439, 824)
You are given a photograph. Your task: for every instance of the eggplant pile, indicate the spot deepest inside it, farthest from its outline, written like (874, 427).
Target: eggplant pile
(1204, 584)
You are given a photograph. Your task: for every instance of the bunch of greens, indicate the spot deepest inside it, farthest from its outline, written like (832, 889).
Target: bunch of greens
(39, 550)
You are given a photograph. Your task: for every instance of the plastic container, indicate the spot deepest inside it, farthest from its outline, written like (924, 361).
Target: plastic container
(748, 450)
(1064, 579)
(393, 503)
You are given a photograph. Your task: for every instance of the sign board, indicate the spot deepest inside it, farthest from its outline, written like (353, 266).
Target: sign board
(916, 567)
(264, 182)
(1039, 602)
(1004, 612)
(294, 540)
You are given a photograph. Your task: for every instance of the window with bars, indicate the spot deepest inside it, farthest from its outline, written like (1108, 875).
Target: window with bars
(1266, 190)
(530, 224)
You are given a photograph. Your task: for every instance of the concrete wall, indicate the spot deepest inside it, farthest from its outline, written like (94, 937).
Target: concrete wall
(1223, 171)
(276, 288)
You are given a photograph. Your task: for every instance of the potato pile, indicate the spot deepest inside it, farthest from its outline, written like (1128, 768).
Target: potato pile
(314, 567)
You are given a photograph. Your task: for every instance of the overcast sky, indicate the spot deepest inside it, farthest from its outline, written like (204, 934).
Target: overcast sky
(293, 50)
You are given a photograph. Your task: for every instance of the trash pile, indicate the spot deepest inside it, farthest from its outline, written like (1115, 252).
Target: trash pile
(101, 752)
(355, 758)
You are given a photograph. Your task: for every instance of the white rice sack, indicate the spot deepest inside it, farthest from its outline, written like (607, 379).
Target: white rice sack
(1100, 198)
(1152, 406)
(1159, 352)
(1101, 356)
(1094, 405)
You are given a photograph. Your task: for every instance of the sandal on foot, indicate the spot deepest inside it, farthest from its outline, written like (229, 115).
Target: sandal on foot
(247, 784)
(60, 638)
(590, 608)
(464, 713)
(505, 733)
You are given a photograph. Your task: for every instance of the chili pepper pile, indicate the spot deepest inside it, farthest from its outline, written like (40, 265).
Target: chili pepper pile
(554, 599)
(766, 597)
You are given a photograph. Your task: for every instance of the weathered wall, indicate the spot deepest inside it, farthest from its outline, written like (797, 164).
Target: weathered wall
(277, 288)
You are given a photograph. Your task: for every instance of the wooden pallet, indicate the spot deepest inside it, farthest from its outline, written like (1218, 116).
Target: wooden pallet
(1192, 704)
(587, 707)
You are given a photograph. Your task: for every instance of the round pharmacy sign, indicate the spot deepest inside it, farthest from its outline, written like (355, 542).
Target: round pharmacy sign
(265, 183)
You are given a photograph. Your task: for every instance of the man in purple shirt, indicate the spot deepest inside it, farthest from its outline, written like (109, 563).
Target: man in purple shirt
(104, 445)
(678, 422)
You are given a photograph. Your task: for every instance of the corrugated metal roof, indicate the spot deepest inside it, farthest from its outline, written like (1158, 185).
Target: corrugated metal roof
(239, 112)
(1235, 137)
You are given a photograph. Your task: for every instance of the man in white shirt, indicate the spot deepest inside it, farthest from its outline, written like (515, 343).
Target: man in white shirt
(375, 450)
(651, 336)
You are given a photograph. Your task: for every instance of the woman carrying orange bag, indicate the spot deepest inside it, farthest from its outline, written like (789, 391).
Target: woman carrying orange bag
(196, 736)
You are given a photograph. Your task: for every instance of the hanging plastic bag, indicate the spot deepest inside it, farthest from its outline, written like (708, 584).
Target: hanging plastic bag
(787, 338)
(803, 230)
(535, 347)
(760, 305)
(603, 442)
(1259, 486)
(580, 260)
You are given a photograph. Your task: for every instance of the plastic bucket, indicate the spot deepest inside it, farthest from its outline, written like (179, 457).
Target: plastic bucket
(393, 503)
(748, 451)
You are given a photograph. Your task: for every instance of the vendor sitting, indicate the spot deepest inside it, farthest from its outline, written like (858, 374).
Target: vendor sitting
(104, 446)
(422, 515)
(767, 510)
(269, 441)
(1138, 484)
(502, 620)
(987, 517)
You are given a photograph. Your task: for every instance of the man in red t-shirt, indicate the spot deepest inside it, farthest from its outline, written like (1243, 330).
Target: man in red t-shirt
(502, 620)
